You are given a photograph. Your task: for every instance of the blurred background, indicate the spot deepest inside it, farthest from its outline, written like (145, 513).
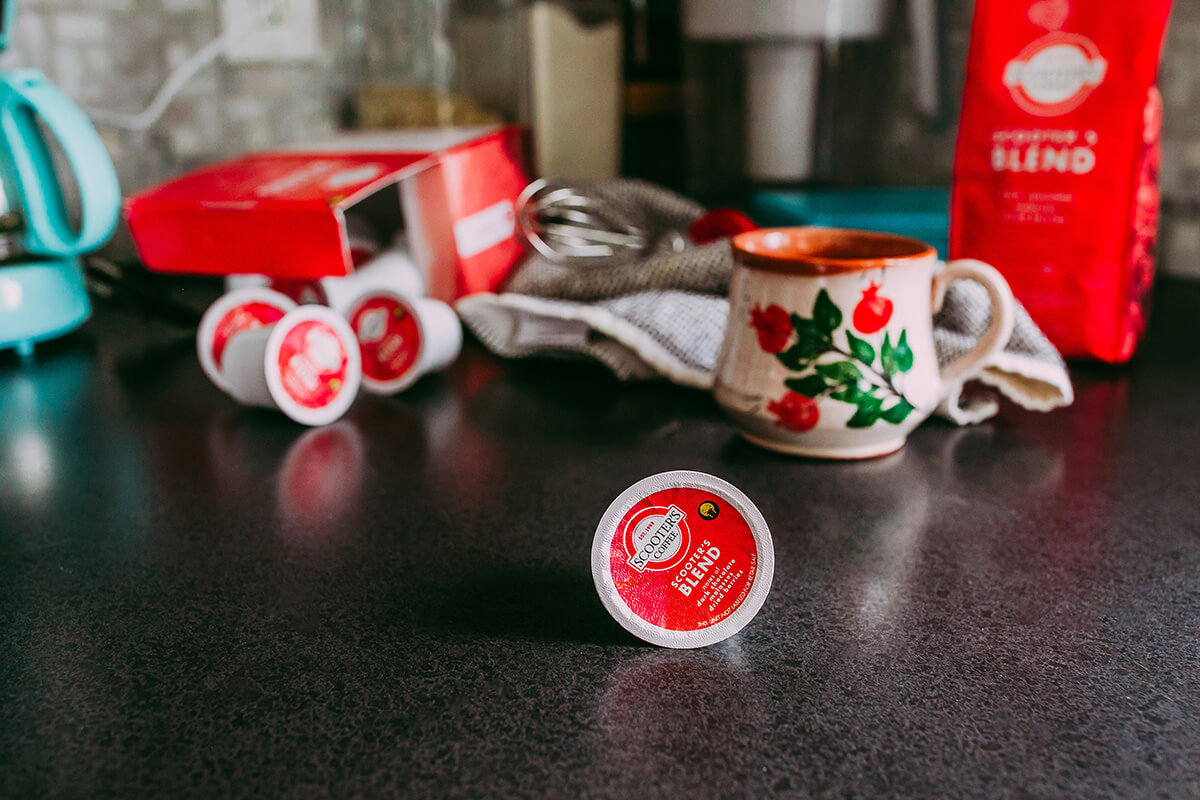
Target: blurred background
(316, 78)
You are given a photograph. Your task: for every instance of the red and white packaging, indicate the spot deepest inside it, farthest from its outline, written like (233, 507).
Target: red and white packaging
(402, 338)
(363, 244)
(683, 559)
(1056, 171)
(284, 214)
(234, 313)
(307, 365)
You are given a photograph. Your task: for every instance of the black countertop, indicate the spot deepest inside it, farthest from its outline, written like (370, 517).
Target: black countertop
(197, 599)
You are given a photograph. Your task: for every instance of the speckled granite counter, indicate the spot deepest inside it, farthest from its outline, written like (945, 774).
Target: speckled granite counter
(198, 600)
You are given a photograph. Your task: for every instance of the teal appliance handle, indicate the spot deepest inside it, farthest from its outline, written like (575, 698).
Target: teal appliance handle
(8, 12)
(27, 98)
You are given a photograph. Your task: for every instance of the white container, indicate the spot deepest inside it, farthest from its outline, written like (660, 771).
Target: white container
(247, 281)
(401, 339)
(575, 74)
(307, 365)
(393, 269)
(236, 312)
(682, 559)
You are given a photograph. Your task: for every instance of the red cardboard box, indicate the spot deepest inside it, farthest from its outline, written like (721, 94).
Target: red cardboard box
(283, 214)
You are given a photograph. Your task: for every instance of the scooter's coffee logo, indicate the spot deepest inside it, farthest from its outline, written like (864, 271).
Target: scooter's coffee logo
(656, 538)
(1055, 74)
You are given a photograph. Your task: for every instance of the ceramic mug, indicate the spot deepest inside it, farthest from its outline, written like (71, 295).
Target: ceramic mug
(829, 348)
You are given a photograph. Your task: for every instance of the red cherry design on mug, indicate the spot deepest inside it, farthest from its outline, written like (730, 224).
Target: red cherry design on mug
(773, 325)
(796, 412)
(873, 311)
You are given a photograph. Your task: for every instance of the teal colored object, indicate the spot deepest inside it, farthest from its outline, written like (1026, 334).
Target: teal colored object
(8, 9)
(922, 213)
(27, 98)
(42, 291)
(41, 300)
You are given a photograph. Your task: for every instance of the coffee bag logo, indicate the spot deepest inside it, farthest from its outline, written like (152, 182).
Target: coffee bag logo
(1055, 74)
(656, 538)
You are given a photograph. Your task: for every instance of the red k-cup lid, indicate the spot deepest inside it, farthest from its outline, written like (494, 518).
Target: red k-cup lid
(313, 365)
(391, 340)
(683, 559)
(235, 312)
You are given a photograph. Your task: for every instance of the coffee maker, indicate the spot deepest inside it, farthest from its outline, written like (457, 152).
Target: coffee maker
(763, 79)
(59, 199)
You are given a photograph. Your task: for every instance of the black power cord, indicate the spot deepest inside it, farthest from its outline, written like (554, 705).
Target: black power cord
(128, 287)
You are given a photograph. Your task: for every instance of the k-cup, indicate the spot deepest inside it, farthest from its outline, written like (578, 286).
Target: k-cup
(304, 293)
(829, 351)
(392, 270)
(682, 559)
(307, 365)
(402, 338)
(247, 281)
(236, 312)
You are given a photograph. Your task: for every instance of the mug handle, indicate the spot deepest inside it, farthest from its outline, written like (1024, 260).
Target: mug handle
(1003, 316)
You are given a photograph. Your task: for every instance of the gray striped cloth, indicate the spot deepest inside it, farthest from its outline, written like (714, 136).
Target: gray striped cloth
(662, 314)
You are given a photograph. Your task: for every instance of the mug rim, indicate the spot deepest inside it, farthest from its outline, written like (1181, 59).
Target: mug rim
(805, 257)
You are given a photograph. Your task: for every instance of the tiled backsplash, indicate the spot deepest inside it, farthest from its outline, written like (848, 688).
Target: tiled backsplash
(114, 54)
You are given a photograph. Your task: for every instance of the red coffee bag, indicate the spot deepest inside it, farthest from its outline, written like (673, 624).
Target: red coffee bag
(1056, 172)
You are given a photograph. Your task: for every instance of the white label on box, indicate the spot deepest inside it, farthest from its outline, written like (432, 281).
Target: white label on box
(484, 229)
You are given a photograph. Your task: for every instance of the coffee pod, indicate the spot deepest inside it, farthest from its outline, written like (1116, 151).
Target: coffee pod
(682, 559)
(238, 311)
(247, 281)
(307, 365)
(402, 338)
(304, 292)
(392, 270)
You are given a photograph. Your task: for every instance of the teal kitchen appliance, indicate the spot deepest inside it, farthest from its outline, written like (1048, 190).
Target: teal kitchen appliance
(42, 290)
(919, 212)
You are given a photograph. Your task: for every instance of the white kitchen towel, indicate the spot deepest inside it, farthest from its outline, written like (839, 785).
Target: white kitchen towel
(664, 314)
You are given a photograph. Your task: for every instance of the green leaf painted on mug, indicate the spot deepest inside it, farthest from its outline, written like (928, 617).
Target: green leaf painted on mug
(839, 372)
(869, 409)
(793, 358)
(850, 393)
(904, 353)
(897, 413)
(809, 385)
(798, 356)
(860, 349)
(803, 325)
(887, 356)
(826, 314)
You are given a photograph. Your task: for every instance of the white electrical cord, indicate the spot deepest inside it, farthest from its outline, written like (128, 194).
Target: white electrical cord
(179, 78)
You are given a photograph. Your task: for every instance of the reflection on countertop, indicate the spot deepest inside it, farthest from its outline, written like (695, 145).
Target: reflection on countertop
(203, 600)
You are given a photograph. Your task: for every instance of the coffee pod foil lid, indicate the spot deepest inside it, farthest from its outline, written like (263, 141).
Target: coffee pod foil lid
(313, 366)
(683, 559)
(235, 312)
(391, 340)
